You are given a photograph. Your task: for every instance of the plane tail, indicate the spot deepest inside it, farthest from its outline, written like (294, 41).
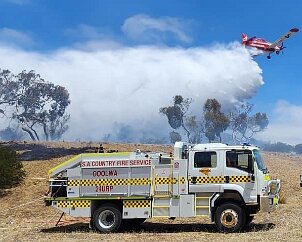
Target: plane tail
(244, 38)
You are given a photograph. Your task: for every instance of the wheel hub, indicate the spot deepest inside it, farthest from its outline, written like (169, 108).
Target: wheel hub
(106, 219)
(229, 218)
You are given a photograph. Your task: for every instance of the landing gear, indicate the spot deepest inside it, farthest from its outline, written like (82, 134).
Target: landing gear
(269, 57)
(277, 52)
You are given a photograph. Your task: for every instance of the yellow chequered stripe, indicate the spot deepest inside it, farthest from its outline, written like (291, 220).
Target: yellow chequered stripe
(75, 204)
(136, 203)
(73, 183)
(182, 180)
(139, 181)
(165, 180)
(109, 182)
(104, 182)
(236, 179)
(158, 181)
(208, 179)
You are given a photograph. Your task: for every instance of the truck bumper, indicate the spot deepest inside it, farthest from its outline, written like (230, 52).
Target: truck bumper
(269, 203)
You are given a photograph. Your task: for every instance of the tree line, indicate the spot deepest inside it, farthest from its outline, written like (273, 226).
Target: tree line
(283, 147)
(32, 106)
(212, 121)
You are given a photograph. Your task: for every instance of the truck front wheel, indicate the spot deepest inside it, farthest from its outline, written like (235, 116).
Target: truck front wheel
(230, 217)
(107, 218)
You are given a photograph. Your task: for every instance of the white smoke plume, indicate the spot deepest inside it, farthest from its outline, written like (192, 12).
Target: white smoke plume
(118, 90)
(255, 52)
(285, 124)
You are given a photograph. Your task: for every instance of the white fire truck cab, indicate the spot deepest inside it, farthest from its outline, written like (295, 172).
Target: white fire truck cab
(228, 184)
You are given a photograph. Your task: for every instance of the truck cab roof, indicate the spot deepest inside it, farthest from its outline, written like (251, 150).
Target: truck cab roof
(221, 146)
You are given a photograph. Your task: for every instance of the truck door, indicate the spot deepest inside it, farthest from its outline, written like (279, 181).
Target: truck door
(205, 173)
(239, 170)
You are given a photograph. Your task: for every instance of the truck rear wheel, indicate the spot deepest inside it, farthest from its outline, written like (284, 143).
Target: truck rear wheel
(107, 218)
(229, 217)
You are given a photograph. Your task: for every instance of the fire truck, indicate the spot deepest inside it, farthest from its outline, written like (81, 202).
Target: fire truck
(228, 184)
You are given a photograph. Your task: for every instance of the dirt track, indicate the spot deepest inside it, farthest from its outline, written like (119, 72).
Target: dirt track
(23, 216)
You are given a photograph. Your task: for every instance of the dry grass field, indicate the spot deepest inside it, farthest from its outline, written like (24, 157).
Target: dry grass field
(23, 216)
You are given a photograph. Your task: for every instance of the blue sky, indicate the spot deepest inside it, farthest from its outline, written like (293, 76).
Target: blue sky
(44, 28)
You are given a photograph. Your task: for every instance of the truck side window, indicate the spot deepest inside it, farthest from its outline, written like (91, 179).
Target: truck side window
(205, 159)
(239, 159)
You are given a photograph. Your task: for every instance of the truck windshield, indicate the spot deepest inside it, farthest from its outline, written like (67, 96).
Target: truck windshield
(259, 161)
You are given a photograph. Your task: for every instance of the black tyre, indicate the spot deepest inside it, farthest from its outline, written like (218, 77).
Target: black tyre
(249, 219)
(132, 223)
(107, 218)
(230, 217)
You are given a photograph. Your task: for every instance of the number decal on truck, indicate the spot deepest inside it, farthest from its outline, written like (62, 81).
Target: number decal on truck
(103, 188)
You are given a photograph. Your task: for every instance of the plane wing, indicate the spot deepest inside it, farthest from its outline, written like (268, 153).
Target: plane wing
(284, 37)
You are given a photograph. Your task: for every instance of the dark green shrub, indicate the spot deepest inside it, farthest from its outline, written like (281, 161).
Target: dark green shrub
(11, 169)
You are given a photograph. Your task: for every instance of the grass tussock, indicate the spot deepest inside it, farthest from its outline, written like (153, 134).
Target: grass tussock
(283, 197)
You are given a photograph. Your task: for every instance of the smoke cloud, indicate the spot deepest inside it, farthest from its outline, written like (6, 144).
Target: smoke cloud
(285, 125)
(118, 90)
(150, 30)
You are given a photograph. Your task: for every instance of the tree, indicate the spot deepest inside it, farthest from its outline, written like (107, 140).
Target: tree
(176, 113)
(244, 126)
(174, 137)
(298, 149)
(11, 169)
(278, 147)
(11, 133)
(215, 122)
(195, 128)
(57, 127)
(34, 103)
